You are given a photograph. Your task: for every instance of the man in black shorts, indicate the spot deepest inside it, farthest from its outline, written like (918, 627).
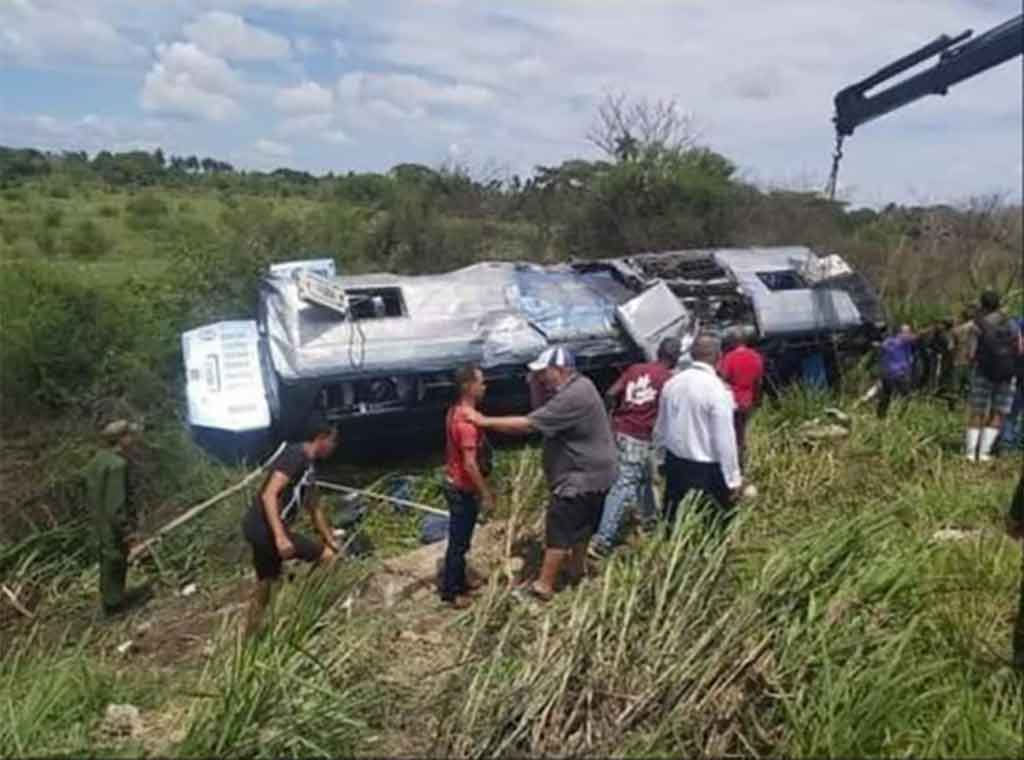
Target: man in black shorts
(289, 487)
(579, 457)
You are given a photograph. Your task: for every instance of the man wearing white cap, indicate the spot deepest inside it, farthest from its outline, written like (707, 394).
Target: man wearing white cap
(579, 459)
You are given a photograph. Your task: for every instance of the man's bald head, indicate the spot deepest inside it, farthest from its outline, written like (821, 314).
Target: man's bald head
(706, 348)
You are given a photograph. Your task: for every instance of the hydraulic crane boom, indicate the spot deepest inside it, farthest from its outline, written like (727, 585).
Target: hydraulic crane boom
(956, 63)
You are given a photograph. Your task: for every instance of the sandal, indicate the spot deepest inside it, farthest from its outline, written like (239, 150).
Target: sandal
(528, 592)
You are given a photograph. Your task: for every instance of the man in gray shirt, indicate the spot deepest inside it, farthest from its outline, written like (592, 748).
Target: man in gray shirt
(579, 459)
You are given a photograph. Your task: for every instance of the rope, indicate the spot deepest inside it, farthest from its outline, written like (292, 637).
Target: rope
(385, 497)
(185, 517)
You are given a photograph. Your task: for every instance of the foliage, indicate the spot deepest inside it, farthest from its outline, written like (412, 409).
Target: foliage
(87, 241)
(297, 691)
(58, 335)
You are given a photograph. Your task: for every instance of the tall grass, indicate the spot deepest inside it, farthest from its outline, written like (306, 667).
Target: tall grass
(50, 695)
(828, 623)
(302, 688)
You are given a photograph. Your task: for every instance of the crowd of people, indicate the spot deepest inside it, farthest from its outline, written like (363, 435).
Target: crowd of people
(981, 359)
(687, 419)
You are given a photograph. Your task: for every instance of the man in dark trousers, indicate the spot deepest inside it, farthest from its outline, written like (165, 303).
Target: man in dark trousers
(634, 399)
(695, 430)
(896, 367)
(110, 496)
(1015, 527)
(742, 369)
(289, 487)
(579, 461)
(466, 465)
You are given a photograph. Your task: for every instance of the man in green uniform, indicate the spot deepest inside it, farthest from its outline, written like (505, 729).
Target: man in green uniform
(110, 501)
(1015, 527)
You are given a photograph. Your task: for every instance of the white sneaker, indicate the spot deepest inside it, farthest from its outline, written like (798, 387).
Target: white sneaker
(985, 458)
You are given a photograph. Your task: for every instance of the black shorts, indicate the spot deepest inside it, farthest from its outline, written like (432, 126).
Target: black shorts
(265, 558)
(572, 520)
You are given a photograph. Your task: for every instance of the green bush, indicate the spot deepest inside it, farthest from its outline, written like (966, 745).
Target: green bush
(57, 336)
(87, 240)
(146, 211)
(108, 212)
(53, 217)
(10, 230)
(46, 239)
(60, 192)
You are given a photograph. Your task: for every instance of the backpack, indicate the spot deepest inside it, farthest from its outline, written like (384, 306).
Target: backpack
(997, 349)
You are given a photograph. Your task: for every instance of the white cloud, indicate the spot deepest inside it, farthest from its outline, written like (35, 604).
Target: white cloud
(233, 38)
(272, 149)
(90, 133)
(308, 97)
(307, 45)
(336, 136)
(410, 92)
(37, 33)
(186, 81)
(520, 82)
(306, 125)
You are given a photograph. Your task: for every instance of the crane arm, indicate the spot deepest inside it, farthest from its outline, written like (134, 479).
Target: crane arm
(957, 62)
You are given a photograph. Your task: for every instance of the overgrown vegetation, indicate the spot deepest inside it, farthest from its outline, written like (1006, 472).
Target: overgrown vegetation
(828, 623)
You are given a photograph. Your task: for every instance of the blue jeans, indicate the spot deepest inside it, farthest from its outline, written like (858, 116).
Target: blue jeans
(463, 508)
(1011, 437)
(633, 485)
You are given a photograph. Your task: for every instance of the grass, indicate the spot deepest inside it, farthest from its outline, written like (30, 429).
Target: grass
(298, 690)
(829, 622)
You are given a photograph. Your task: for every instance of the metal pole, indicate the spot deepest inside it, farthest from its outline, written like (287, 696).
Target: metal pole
(385, 497)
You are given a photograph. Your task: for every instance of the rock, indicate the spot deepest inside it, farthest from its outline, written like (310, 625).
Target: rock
(122, 720)
(125, 647)
(839, 416)
(955, 534)
(189, 590)
(143, 628)
(815, 432)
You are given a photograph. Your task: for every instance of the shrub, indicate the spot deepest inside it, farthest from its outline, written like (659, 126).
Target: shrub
(59, 191)
(108, 212)
(146, 211)
(57, 335)
(10, 230)
(87, 240)
(45, 239)
(53, 217)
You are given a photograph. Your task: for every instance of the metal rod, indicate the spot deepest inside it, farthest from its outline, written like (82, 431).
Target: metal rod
(385, 497)
(199, 508)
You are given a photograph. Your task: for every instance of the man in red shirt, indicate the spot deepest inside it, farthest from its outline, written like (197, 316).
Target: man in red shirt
(634, 399)
(743, 370)
(467, 463)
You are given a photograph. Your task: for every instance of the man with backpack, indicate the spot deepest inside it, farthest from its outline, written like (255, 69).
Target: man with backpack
(996, 346)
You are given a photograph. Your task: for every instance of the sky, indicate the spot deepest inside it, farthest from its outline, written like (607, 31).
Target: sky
(340, 85)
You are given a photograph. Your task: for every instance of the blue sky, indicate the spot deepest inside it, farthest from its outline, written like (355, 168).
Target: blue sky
(349, 85)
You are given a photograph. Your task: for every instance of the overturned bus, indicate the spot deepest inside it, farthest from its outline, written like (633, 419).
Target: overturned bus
(376, 352)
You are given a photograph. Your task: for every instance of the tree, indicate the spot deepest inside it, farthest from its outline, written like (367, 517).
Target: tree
(624, 129)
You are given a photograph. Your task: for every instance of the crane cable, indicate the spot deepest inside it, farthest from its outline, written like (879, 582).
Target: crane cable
(837, 156)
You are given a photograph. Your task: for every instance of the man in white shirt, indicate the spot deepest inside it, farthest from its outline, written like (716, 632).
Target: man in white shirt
(695, 429)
